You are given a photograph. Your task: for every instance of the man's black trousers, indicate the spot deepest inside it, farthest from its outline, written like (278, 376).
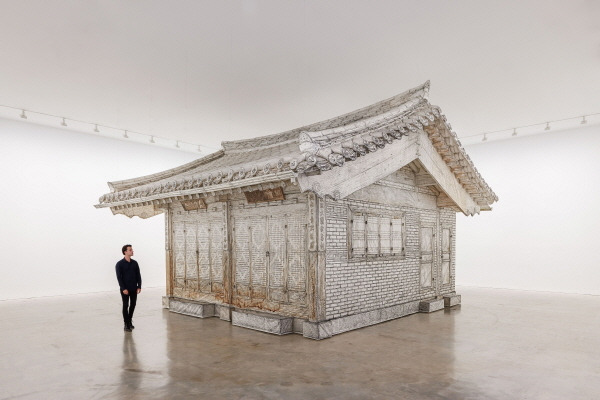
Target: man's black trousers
(129, 301)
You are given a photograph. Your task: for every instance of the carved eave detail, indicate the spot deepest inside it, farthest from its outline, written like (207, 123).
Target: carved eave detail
(138, 201)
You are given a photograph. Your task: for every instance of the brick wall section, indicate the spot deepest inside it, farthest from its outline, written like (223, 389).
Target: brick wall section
(359, 285)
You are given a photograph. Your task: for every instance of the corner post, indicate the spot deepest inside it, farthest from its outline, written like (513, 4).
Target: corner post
(227, 253)
(169, 249)
(316, 258)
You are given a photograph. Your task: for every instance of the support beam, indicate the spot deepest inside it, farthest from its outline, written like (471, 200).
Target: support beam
(445, 179)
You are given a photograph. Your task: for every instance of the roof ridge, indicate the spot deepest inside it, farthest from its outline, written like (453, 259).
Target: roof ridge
(383, 106)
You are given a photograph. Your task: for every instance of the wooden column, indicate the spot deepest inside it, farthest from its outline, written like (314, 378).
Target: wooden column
(169, 249)
(316, 258)
(227, 254)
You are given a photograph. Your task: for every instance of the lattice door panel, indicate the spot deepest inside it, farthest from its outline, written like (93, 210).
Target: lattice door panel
(277, 258)
(426, 256)
(179, 254)
(217, 236)
(191, 256)
(204, 259)
(241, 256)
(258, 256)
(445, 256)
(198, 252)
(269, 254)
(296, 255)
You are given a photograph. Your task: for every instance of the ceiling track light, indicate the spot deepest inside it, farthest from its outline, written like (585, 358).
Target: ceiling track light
(583, 120)
(547, 128)
(162, 140)
(484, 137)
(514, 132)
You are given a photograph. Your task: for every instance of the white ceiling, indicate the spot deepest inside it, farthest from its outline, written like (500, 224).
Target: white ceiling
(207, 71)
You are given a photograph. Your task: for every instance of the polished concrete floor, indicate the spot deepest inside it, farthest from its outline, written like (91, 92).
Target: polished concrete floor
(499, 344)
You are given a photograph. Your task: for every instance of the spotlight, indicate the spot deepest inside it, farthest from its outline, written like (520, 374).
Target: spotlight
(152, 139)
(25, 116)
(547, 128)
(96, 128)
(177, 144)
(514, 132)
(484, 137)
(583, 120)
(64, 123)
(125, 135)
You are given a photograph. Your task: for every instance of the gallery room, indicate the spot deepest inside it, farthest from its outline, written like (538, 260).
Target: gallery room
(299, 199)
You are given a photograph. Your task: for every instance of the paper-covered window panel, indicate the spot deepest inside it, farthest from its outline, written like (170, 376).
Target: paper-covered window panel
(372, 226)
(358, 236)
(385, 236)
(397, 244)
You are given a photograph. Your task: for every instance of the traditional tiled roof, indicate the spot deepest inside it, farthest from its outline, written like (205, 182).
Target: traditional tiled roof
(311, 149)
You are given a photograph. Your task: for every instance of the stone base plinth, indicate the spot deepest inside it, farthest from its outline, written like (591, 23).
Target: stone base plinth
(223, 311)
(326, 329)
(283, 325)
(452, 300)
(264, 322)
(427, 306)
(193, 308)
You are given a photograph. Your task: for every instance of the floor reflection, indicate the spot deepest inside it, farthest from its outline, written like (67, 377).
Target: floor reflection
(497, 345)
(131, 372)
(412, 357)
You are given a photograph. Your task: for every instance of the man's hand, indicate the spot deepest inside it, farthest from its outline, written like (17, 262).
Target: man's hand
(139, 290)
(126, 292)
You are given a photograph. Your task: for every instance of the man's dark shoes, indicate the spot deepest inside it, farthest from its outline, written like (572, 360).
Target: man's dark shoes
(127, 328)
(131, 325)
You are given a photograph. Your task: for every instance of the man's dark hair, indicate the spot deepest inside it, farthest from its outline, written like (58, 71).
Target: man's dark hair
(124, 249)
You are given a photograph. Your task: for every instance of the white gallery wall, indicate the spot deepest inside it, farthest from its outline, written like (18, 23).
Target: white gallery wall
(544, 232)
(52, 240)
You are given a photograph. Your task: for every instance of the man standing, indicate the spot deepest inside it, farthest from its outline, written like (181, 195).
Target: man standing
(130, 284)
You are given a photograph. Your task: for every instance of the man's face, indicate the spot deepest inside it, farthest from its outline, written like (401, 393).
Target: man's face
(129, 251)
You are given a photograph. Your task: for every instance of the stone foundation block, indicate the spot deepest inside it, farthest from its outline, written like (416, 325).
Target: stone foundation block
(223, 312)
(427, 306)
(317, 330)
(193, 308)
(165, 302)
(298, 325)
(452, 300)
(270, 323)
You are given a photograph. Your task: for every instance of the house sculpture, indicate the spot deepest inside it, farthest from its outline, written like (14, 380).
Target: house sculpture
(319, 230)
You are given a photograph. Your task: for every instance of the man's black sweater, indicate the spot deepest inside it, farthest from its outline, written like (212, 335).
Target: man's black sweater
(128, 275)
